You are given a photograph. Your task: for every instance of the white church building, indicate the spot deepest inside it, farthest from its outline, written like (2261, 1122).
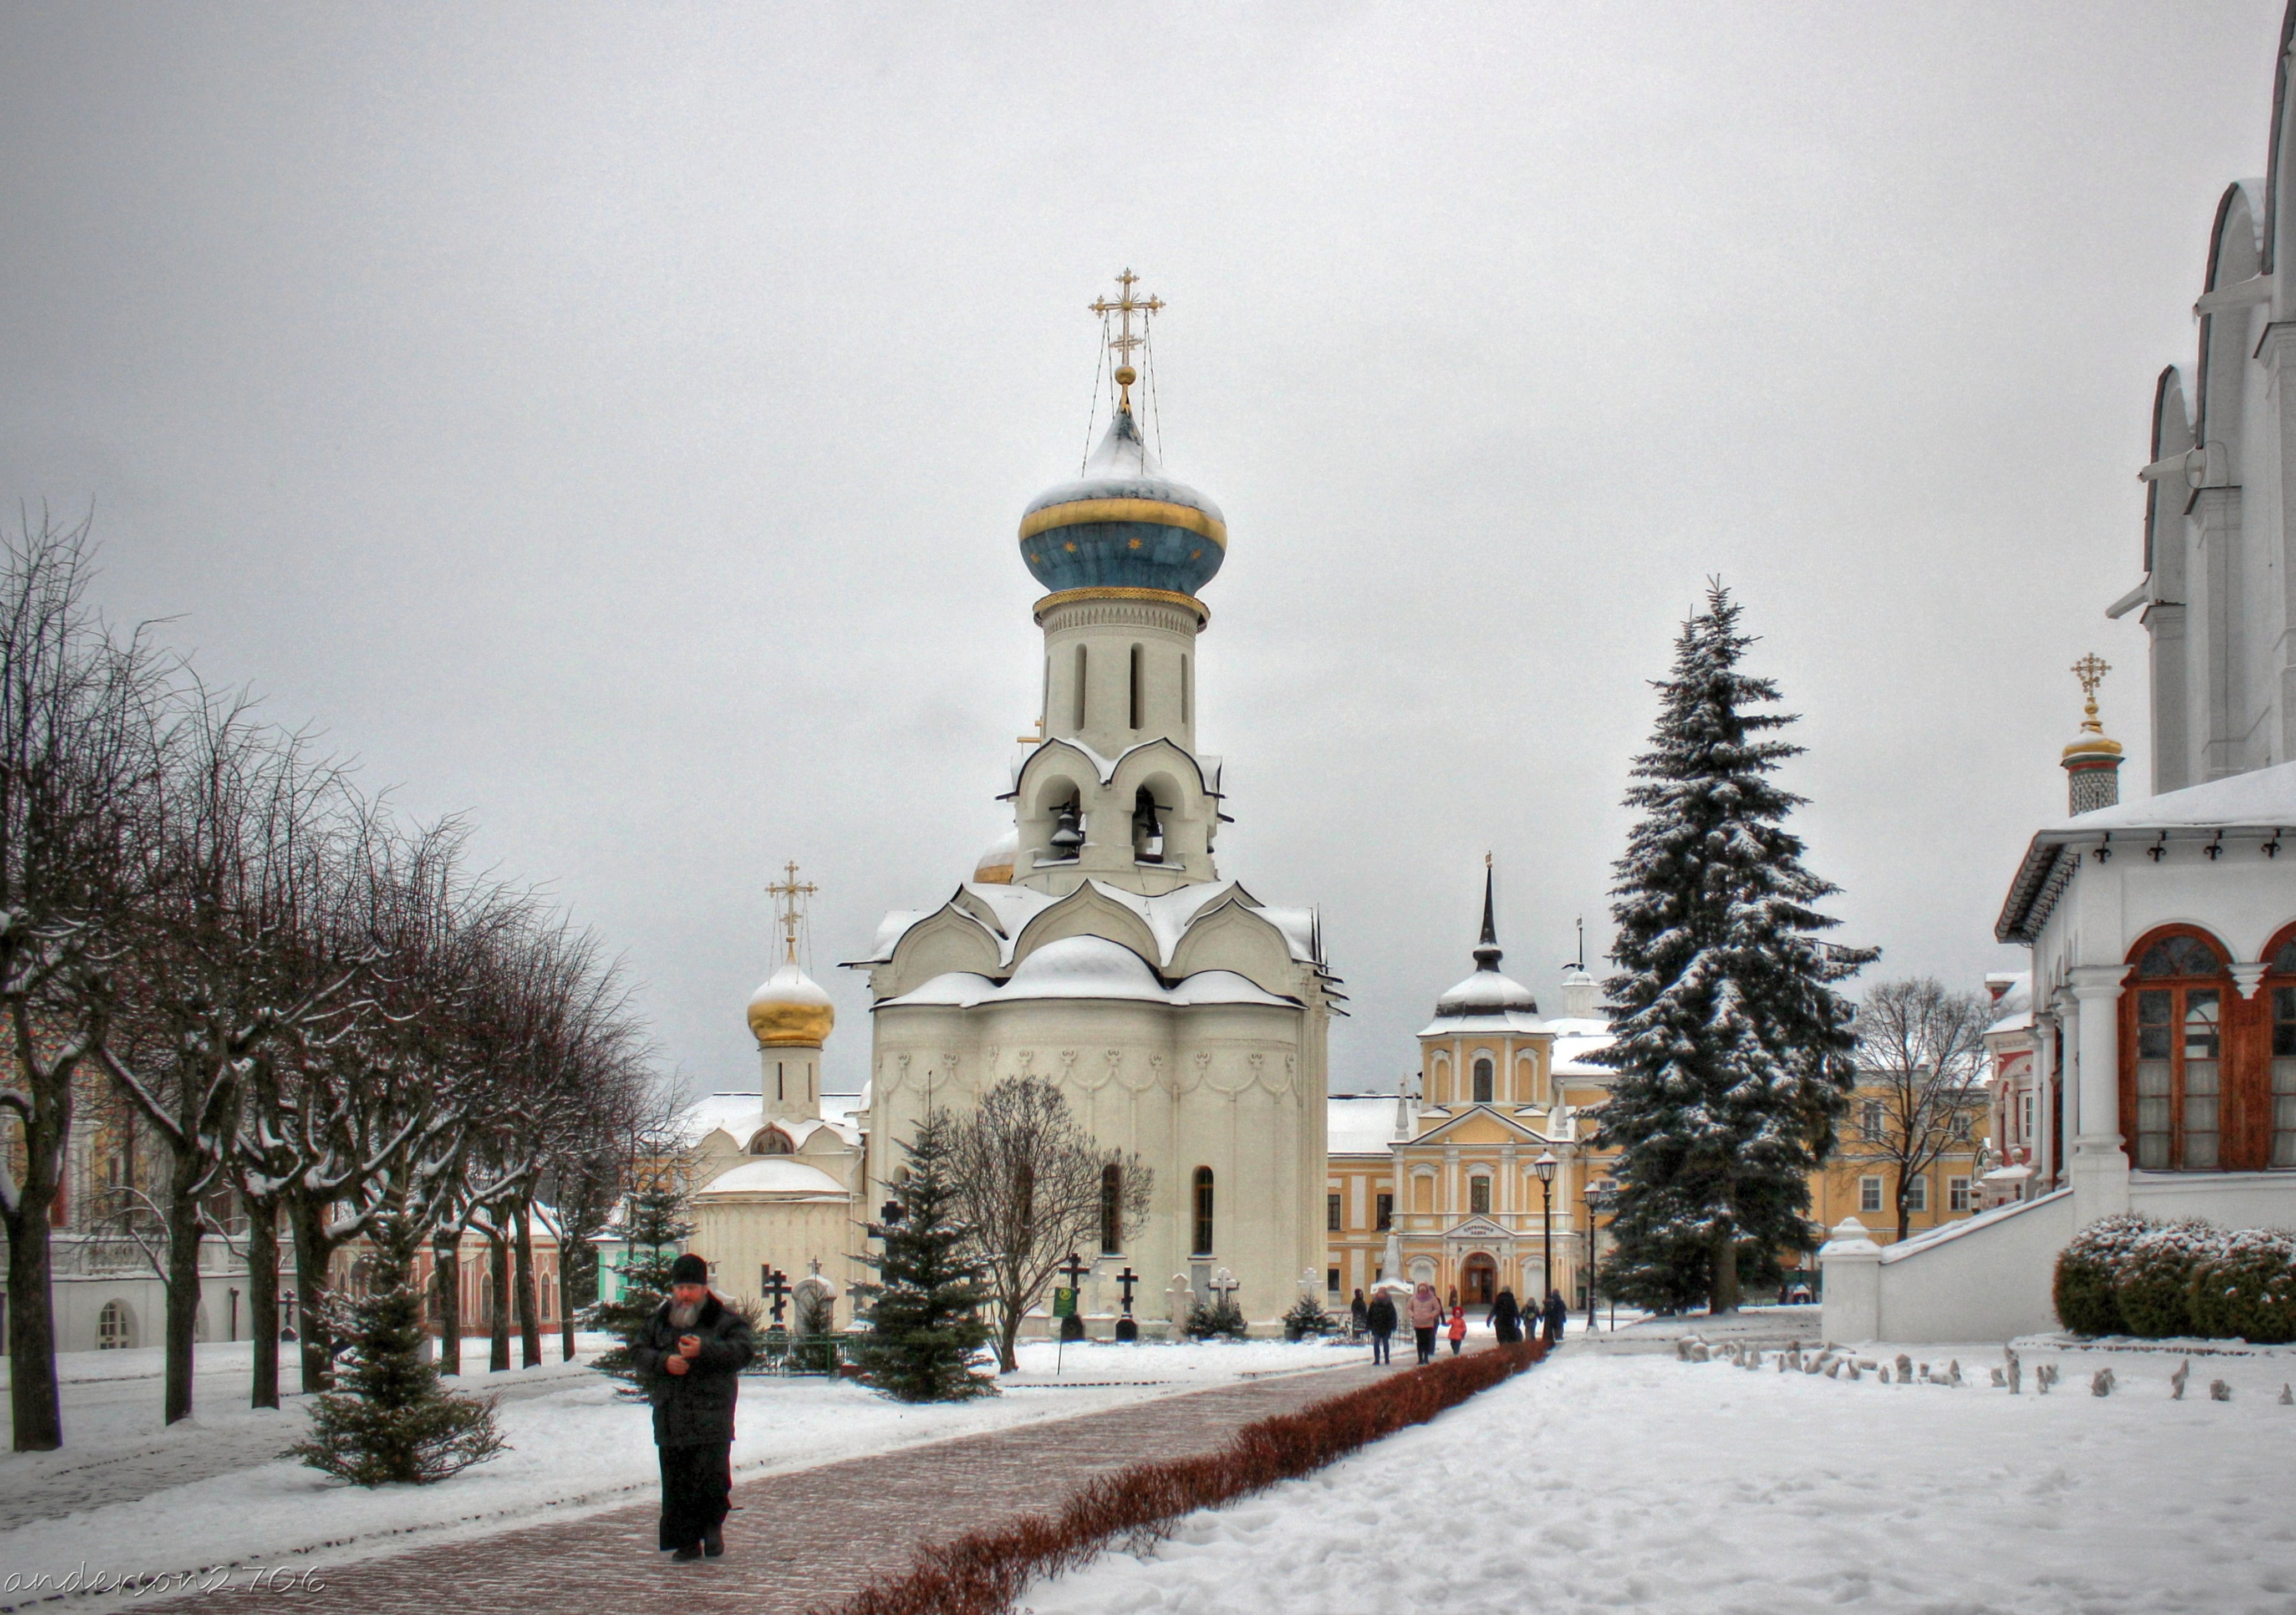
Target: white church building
(2163, 930)
(1099, 946)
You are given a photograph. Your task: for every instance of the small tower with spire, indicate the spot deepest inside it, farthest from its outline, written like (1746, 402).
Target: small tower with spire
(790, 1016)
(2092, 763)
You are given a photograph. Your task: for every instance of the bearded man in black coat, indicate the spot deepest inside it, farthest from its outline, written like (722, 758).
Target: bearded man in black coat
(688, 1356)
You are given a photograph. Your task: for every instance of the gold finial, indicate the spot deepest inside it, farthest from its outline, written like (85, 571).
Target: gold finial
(1124, 341)
(2091, 669)
(789, 896)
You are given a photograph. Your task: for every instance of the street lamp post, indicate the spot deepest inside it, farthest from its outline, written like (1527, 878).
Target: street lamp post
(1545, 1166)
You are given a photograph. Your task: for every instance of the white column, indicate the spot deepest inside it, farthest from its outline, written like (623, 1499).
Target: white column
(2099, 1166)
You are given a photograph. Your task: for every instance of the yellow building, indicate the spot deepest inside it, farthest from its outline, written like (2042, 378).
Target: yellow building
(1473, 1180)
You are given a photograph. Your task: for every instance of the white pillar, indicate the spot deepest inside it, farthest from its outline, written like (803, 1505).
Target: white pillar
(1851, 1266)
(2099, 1166)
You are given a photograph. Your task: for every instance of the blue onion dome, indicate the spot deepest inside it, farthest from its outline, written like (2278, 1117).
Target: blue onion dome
(1124, 524)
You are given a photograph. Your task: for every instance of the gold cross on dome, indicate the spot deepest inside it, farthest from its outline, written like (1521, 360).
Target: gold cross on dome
(1124, 341)
(789, 897)
(2091, 669)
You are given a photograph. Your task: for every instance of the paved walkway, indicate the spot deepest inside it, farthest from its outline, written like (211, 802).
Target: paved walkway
(800, 1540)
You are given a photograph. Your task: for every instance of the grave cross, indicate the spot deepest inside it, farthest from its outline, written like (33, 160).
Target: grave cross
(1073, 1269)
(1224, 1285)
(776, 1289)
(1127, 1329)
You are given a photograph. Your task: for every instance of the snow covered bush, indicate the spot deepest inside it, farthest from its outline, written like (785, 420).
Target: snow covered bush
(2152, 1281)
(2086, 1273)
(2247, 1290)
(1306, 1319)
(1222, 1317)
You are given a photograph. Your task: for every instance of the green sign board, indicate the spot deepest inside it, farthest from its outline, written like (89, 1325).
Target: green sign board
(1064, 1303)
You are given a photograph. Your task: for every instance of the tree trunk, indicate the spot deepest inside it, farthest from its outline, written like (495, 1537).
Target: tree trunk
(263, 1301)
(34, 1409)
(1008, 1361)
(307, 1219)
(569, 1285)
(183, 1232)
(498, 1325)
(530, 1321)
(1904, 1216)
(1724, 1295)
(446, 1275)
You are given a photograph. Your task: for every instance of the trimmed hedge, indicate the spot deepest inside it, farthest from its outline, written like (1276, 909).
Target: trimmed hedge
(2127, 1274)
(985, 1572)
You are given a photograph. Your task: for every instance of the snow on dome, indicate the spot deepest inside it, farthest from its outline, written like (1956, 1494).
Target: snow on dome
(1226, 987)
(1486, 992)
(778, 1175)
(994, 867)
(1123, 525)
(790, 1011)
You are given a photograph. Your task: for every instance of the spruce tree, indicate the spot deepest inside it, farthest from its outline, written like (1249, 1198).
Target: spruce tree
(1734, 1052)
(389, 1420)
(925, 1322)
(654, 1232)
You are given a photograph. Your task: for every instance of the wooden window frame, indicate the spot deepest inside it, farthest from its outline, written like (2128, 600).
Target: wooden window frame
(1205, 1207)
(1484, 1080)
(2270, 1148)
(2239, 1070)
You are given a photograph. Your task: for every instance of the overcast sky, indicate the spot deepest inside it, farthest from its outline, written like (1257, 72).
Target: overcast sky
(614, 421)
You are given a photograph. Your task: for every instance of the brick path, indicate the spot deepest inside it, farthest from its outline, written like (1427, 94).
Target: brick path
(801, 1539)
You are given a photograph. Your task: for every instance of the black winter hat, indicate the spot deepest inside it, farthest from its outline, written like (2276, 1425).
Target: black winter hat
(689, 1269)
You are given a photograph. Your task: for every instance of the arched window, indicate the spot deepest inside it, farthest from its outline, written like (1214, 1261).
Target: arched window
(115, 1330)
(2280, 994)
(2174, 1085)
(1479, 1193)
(1204, 1211)
(1082, 663)
(1138, 655)
(1112, 1209)
(1482, 1082)
(1186, 703)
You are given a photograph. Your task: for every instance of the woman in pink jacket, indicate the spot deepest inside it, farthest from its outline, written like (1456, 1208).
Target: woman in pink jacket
(1426, 1312)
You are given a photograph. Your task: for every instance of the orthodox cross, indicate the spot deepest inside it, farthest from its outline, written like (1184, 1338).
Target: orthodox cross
(1224, 1285)
(2091, 669)
(1123, 342)
(789, 895)
(1073, 1271)
(1128, 1278)
(776, 1288)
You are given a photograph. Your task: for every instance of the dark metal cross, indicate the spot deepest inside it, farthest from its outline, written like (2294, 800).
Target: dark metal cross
(1128, 1278)
(1074, 1271)
(775, 1286)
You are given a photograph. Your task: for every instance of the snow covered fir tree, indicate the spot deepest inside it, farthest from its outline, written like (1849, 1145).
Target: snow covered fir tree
(1733, 1051)
(926, 1323)
(391, 1421)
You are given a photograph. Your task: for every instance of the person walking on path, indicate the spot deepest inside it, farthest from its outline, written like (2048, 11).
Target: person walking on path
(1557, 1315)
(1426, 1312)
(689, 1357)
(1358, 1315)
(1378, 1317)
(1506, 1319)
(1458, 1330)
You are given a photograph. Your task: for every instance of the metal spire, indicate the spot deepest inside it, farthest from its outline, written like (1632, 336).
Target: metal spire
(1487, 952)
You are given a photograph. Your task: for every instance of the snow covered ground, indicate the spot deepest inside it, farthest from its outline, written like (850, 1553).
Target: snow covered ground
(1605, 1479)
(128, 1495)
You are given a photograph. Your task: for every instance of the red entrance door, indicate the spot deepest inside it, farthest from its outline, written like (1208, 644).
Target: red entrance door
(1479, 1281)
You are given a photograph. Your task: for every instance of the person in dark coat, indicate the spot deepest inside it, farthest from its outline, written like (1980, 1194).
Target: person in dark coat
(1506, 1319)
(1379, 1318)
(1358, 1315)
(1556, 1315)
(689, 1357)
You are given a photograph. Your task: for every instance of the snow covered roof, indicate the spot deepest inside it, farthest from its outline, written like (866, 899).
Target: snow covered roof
(2013, 1009)
(739, 1114)
(1574, 1038)
(781, 1176)
(2262, 802)
(1360, 1124)
(1087, 967)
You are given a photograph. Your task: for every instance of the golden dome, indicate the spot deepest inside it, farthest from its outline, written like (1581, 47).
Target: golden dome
(790, 1011)
(2098, 744)
(995, 867)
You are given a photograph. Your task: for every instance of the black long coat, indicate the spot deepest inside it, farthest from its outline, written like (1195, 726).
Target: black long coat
(694, 1408)
(1380, 1316)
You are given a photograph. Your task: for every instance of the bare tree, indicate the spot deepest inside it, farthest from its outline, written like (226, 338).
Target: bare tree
(1920, 1063)
(72, 770)
(1031, 1182)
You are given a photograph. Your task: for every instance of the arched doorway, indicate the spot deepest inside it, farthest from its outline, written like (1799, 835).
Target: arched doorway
(1478, 1280)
